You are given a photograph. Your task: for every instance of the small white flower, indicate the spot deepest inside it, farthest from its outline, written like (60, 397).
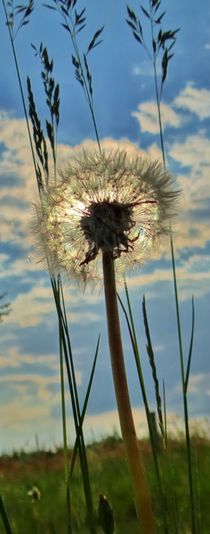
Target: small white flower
(104, 202)
(34, 493)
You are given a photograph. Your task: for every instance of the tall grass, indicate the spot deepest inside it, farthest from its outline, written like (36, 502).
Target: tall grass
(160, 53)
(40, 138)
(40, 157)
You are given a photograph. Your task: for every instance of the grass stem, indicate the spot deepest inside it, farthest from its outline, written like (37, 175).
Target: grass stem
(21, 88)
(184, 393)
(5, 519)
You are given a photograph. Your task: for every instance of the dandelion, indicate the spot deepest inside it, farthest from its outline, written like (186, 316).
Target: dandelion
(34, 493)
(104, 202)
(111, 206)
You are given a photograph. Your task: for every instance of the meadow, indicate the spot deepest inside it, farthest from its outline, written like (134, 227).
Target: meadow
(109, 476)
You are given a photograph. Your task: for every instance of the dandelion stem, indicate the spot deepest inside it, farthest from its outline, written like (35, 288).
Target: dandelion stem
(140, 487)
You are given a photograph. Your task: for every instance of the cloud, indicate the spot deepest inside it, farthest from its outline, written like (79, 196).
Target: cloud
(34, 388)
(32, 308)
(16, 360)
(190, 99)
(147, 117)
(194, 100)
(145, 69)
(191, 279)
(37, 306)
(199, 384)
(193, 152)
(17, 169)
(192, 223)
(41, 392)
(105, 424)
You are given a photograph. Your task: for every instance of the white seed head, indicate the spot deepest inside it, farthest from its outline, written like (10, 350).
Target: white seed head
(104, 202)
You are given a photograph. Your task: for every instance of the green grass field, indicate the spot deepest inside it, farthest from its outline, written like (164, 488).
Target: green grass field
(109, 476)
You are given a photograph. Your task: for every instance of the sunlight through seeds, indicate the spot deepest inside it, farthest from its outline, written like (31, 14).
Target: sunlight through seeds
(104, 202)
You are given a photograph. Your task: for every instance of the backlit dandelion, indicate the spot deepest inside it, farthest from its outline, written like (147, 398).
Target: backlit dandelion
(117, 208)
(104, 202)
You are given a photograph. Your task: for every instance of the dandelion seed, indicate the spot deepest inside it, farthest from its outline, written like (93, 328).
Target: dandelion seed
(104, 202)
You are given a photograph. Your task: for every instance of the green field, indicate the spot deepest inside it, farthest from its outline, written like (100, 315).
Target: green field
(109, 476)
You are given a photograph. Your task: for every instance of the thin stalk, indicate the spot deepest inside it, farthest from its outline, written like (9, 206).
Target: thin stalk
(21, 89)
(154, 62)
(74, 399)
(86, 91)
(63, 332)
(85, 86)
(73, 458)
(65, 443)
(165, 417)
(5, 519)
(159, 114)
(141, 491)
(185, 405)
(63, 404)
(184, 393)
(77, 407)
(133, 338)
(132, 333)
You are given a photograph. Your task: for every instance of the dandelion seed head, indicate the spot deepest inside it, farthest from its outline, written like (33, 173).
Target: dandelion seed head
(103, 202)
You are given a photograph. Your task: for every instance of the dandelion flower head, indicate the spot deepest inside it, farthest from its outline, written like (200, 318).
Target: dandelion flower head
(103, 202)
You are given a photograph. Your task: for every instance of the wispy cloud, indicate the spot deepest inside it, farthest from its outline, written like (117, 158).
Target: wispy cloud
(16, 359)
(36, 306)
(199, 384)
(192, 279)
(32, 307)
(148, 118)
(144, 69)
(194, 100)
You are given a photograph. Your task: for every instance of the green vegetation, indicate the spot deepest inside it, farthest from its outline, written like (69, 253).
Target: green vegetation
(109, 476)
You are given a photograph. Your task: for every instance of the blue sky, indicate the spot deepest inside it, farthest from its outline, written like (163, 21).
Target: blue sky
(126, 116)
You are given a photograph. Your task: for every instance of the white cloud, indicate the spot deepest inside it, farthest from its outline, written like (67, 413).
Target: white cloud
(194, 100)
(147, 117)
(190, 281)
(16, 163)
(190, 99)
(193, 152)
(37, 306)
(158, 348)
(33, 307)
(199, 384)
(145, 69)
(15, 359)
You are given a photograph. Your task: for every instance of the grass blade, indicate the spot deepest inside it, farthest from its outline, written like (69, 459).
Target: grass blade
(4, 517)
(165, 417)
(73, 458)
(184, 393)
(62, 318)
(191, 347)
(150, 353)
(133, 338)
